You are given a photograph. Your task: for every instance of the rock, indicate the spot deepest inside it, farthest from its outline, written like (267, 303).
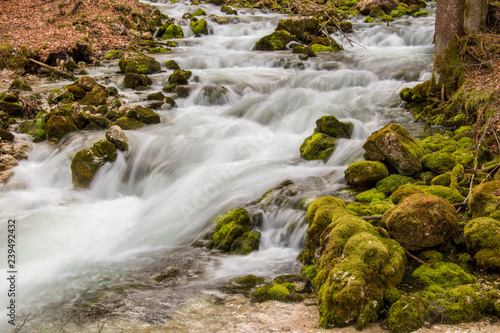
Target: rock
(11, 96)
(234, 234)
(20, 85)
(77, 91)
(298, 25)
(318, 146)
(134, 80)
(355, 266)
(277, 40)
(7, 162)
(157, 96)
(228, 10)
(439, 162)
(214, 95)
(5, 134)
(14, 57)
(277, 292)
(4, 120)
(172, 64)
(87, 162)
(97, 96)
(170, 31)
(485, 200)
(128, 123)
(393, 144)
(116, 136)
(369, 7)
(482, 236)
(199, 12)
(366, 173)
(407, 315)
(182, 91)
(87, 83)
(392, 183)
(136, 62)
(6, 175)
(35, 127)
(421, 221)
(179, 76)
(451, 195)
(144, 115)
(58, 126)
(99, 120)
(333, 127)
(60, 96)
(13, 109)
(199, 27)
(444, 274)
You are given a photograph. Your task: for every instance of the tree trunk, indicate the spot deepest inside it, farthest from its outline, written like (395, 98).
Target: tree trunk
(476, 12)
(449, 27)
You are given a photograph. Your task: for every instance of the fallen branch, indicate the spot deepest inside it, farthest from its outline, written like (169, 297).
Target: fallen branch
(386, 235)
(54, 70)
(18, 328)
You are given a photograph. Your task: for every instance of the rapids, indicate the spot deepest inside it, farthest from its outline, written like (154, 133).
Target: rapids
(142, 212)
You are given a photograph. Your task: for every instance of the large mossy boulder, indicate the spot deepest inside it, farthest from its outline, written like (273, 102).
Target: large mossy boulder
(333, 127)
(482, 236)
(199, 27)
(318, 146)
(13, 57)
(453, 196)
(234, 234)
(59, 126)
(355, 266)
(365, 173)
(97, 96)
(134, 80)
(179, 76)
(137, 62)
(170, 30)
(300, 26)
(394, 145)
(87, 162)
(144, 115)
(485, 200)
(421, 221)
(278, 40)
(13, 109)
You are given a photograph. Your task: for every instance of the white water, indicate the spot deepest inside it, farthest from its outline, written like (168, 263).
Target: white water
(202, 160)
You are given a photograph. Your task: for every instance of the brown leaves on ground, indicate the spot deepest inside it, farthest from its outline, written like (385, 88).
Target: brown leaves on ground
(55, 25)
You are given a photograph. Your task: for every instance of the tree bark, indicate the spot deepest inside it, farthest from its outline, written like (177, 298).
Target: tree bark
(476, 12)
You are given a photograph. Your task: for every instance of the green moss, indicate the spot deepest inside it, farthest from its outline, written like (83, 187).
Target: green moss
(421, 13)
(361, 209)
(451, 195)
(443, 180)
(249, 280)
(106, 149)
(392, 295)
(128, 123)
(369, 19)
(483, 201)
(58, 126)
(407, 315)
(365, 173)
(323, 48)
(392, 183)
(171, 274)
(276, 292)
(386, 18)
(136, 62)
(331, 126)
(97, 96)
(199, 27)
(170, 31)
(318, 146)
(439, 162)
(309, 272)
(370, 195)
(275, 41)
(144, 115)
(444, 274)
(112, 54)
(179, 77)
(20, 85)
(199, 12)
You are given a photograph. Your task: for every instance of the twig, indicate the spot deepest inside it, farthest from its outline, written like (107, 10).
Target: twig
(67, 321)
(386, 235)
(109, 315)
(66, 75)
(18, 328)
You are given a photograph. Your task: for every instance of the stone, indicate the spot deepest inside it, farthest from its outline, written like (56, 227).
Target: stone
(421, 221)
(170, 31)
(7, 162)
(298, 25)
(5, 134)
(397, 147)
(333, 127)
(59, 126)
(277, 40)
(136, 62)
(115, 135)
(97, 96)
(214, 95)
(485, 200)
(365, 173)
(13, 109)
(369, 7)
(199, 27)
(482, 236)
(87, 83)
(318, 146)
(179, 76)
(172, 64)
(20, 85)
(134, 80)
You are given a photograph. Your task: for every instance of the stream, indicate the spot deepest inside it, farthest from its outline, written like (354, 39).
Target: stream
(85, 253)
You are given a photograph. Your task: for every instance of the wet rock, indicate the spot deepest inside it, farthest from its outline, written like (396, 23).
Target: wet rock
(451, 195)
(318, 146)
(11, 96)
(485, 200)
(6, 135)
(97, 96)
(144, 115)
(277, 40)
(87, 83)
(6, 175)
(366, 173)
(128, 123)
(482, 236)
(371, 7)
(7, 162)
(116, 136)
(333, 127)
(439, 162)
(277, 292)
(87, 162)
(77, 91)
(228, 10)
(421, 221)
(62, 96)
(157, 96)
(298, 25)
(20, 85)
(59, 126)
(182, 91)
(393, 144)
(35, 127)
(199, 27)
(392, 183)
(214, 95)
(14, 57)
(12, 109)
(170, 31)
(98, 119)
(4, 120)
(172, 64)
(134, 80)
(179, 76)
(234, 234)
(136, 62)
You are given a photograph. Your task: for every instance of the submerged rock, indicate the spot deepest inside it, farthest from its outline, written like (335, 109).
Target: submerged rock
(421, 221)
(394, 145)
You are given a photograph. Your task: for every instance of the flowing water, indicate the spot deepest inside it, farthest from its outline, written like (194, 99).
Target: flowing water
(142, 212)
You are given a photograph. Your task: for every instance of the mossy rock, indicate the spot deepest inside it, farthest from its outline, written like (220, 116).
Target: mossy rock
(106, 150)
(439, 162)
(13, 109)
(214, 95)
(172, 64)
(234, 234)
(20, 85)
(365, 173)
(137, 62)
(277, 40)
(442, 180)
(199, 12)
(87, 83)
(421, 221)
(369, 196)
(300, 26)
(180, 77)
(485, 200)
(112, 54)
(77, 91)
(144, 115)
(482, 236)
(128, 123)
(451, 195)
(377, 207)
(397, 147)
(355, 268)
(87, 162)
(407, 314)
(276, 292)
(199, 27)
(421, 13)
(97, 96)
(14, 57)
(170, 31)
(333, 127)
(444, 274)
(318, 48)
(58, 126)
(157, 96)
(134, 80)
(35, 127)
(392, 183)
(318, 146)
